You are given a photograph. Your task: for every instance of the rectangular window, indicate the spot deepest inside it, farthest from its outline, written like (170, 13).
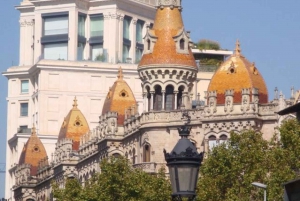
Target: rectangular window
(81, 25)
(24, 86)
(56, 25)
(139, 31)
(96, 25)
(97, 53)
(126, 49)
(24, 109)
(138, 55)
(126, 26)
(80, 51)
(56, 51)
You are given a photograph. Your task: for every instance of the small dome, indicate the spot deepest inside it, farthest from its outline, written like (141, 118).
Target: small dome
(119, 98)
(33, 152)
(74, 126)
(168, 27)
(237, 73)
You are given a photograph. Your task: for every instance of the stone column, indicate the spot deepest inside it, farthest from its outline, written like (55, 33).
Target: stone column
(163, 99)
(73, 38)
(175, 95)
(133, 39)
(206, 146)
(147, 103)
(152, 100)
(144, 102)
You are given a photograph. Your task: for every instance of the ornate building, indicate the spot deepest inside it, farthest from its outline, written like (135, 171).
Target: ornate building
(135, 121)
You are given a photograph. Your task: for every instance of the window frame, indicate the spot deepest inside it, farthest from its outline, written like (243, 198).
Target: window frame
(55, 38)
(25, 92)
(22, 114)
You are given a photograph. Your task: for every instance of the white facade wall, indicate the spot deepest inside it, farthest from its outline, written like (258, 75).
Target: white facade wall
(53, 84)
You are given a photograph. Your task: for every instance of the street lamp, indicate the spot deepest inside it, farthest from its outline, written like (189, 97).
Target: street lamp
(184, 162)
(263, 186)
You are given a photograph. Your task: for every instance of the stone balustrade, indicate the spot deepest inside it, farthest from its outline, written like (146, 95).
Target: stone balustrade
(267, 109)
(149, 167)
(174, 117)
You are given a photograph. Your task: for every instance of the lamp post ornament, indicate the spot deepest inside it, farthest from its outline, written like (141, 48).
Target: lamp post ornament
(184, 162)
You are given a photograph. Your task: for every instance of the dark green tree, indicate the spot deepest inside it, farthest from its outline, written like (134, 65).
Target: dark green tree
(230, 168)
(118, 181)
(205, 44)
(71, 192)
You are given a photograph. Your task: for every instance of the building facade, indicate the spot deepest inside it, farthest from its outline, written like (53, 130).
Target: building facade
(70, 74)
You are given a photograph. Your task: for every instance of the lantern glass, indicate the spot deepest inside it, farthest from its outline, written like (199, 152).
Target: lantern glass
(187, 177)
(173, 179)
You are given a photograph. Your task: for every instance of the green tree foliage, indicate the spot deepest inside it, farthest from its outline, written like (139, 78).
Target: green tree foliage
(71, 192)
(118, 181)
(290, 139)
(229, 170)
(208, 45)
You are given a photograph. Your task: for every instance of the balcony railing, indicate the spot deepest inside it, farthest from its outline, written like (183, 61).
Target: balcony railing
(149, 167)
(24, 130)
(207, 68)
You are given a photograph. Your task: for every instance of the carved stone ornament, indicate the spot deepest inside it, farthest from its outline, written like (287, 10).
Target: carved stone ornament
(169, 3)
(212, 102)
(228, 104)
(24, 23)
(228, 101)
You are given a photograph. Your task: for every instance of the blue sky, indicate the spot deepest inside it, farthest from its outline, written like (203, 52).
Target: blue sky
(269, 33)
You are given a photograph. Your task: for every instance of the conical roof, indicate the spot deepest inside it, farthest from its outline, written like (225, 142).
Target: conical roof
(33, 152)
(74, 126)
(237, 73)
(168, 27)
(119, 98)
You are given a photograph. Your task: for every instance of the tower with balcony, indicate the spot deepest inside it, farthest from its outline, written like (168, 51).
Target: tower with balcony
(167, 69)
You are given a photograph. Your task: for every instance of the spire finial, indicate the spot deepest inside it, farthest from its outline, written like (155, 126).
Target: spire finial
(75, 103)
(33, 130)
(120, 73)
(238, 48)
(292, 92)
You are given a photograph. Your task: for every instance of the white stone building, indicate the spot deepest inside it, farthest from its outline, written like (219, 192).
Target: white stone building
(74, 48)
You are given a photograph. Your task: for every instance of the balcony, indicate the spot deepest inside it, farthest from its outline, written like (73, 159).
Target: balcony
(207, 68)
(149, 167)
(24, 130)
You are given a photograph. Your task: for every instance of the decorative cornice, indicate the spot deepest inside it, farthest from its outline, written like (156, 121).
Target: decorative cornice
(168, 3)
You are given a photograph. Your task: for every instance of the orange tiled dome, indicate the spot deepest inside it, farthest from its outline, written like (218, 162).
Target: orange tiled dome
(74, 126)
(167, 25)
(33, 152)
(119, 98)
(237, 73)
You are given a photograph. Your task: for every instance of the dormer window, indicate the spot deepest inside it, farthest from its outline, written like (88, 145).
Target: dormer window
(182, 42)
(149, 41)
(148, 44)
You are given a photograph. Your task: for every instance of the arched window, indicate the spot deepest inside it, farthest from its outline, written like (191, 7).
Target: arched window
(146, 153)
(148, 44)
(169, 101)
(212, 142)
(181, 44)
(157, 104)
(223, 138)
(133, 156)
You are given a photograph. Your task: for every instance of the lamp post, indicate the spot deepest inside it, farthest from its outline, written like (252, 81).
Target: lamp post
(263, 186)
(183, 162)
